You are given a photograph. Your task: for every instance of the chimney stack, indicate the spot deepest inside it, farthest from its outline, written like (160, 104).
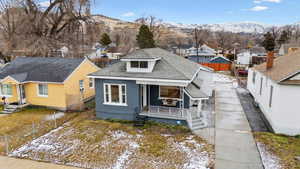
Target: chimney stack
(270, 60)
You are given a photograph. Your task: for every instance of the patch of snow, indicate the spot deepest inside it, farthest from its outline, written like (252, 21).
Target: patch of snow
(40, 144)
(221, 78)
(54, 116)
(197, 159)
(125, 155)
(269, 161)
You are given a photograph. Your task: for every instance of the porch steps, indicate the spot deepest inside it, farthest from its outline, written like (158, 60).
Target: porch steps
(8, 109)
(197, 123)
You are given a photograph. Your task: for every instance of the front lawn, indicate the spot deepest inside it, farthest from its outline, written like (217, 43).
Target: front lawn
(284, 147)
(85, 142)
(31, 122)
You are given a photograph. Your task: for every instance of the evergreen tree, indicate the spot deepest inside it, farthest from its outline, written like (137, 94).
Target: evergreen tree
(145, 38)
(269, 42)
(105, 39)
(284, 38)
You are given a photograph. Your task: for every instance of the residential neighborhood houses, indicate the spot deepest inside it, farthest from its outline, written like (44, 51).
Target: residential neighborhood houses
(80, 89)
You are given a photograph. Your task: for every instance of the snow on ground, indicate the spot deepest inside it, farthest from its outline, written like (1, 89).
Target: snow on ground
(54, 116)
(221, 78)
(196, 159)
(270, 161)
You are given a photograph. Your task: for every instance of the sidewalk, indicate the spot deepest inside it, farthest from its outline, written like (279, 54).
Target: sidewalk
(14, 163)
(234, 144)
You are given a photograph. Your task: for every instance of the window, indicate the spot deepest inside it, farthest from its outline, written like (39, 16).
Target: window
(261, 85)
(139, 64)
(81, 85)
(91, 82)
(134, 64)
(115, 94)
(253, 77)
(271, 96)
(170, 92)
(6, 90)
(43, 90)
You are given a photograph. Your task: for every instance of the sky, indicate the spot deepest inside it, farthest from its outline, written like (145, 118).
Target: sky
(273, 12)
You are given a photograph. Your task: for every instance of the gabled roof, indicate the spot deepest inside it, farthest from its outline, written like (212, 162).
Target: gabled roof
(284, 67)
(169, 67)
(142, 54)
(51, 69)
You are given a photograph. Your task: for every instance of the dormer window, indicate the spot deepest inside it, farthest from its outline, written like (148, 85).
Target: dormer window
(139, 64)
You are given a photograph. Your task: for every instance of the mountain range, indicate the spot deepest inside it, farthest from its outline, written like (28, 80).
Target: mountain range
(241, 27)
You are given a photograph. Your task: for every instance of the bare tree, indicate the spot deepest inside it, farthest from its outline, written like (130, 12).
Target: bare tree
(200, 36)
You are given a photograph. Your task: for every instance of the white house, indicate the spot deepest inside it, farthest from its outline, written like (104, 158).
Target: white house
(276, 89)
(244, 58)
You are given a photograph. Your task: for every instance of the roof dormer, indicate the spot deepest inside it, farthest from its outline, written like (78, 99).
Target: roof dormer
(140, 62)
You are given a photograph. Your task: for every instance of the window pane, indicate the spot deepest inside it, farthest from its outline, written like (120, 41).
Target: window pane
(123, 94)
(106, 94)
(169, 92)
(91, 82)
(115, 94)
(143, 64)
(134, 64)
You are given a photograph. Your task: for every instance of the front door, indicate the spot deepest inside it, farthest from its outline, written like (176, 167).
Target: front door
(23, 95)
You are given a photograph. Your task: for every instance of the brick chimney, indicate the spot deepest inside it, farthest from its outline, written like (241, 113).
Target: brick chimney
(270, 60)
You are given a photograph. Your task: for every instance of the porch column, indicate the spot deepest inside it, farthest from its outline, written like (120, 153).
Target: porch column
(19, 93)
(199, 108)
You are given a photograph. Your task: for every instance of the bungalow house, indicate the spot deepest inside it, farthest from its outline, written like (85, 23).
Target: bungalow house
(288, 48)
(59, 83)
(153, 83)
(276, 89)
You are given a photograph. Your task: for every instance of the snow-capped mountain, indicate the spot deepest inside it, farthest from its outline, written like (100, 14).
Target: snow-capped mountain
(243, 27)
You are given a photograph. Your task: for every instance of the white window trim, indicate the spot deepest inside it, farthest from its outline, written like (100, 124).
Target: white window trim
(8, 96)
(93, 82)
(38, 90)
(163, 98)
(109, 95)
(81, 88)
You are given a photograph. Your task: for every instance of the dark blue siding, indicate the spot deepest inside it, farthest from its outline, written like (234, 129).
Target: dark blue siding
(118, 112)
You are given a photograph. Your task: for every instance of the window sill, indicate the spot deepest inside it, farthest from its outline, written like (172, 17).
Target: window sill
(8, 96)
(115, 104)
(42, 95)
(166, 98)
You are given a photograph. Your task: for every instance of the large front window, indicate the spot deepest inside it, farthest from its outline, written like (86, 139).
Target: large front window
(43, 90)
(169, 92)
(6, 89)
(115, 94)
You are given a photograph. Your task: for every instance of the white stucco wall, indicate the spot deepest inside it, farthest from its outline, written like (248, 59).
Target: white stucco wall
(284, 113)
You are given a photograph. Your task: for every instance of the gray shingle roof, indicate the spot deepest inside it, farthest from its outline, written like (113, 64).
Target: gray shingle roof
(40, 69)
(195, 92)
(141, 54)
(170, 66)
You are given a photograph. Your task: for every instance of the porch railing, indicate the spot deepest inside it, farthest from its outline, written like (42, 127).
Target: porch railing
(165, 112)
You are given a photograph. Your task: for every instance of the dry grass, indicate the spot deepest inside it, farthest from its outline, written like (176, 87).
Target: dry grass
(18, 127)
(284, 147)
(89, 143)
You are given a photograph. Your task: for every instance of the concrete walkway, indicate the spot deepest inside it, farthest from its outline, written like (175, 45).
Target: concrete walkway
(234, 144)
(13, 163)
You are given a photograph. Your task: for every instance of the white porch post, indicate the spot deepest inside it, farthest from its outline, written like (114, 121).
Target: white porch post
(199, 108)
(19, 93)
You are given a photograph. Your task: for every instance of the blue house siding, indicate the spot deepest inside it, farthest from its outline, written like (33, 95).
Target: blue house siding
(117, 112)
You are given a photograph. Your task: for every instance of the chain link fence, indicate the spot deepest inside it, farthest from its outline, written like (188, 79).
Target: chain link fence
(11, 142)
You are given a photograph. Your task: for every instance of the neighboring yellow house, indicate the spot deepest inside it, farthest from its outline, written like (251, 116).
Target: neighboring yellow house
(59, 83)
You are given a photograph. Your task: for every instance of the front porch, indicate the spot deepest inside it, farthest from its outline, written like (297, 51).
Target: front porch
(171, 103)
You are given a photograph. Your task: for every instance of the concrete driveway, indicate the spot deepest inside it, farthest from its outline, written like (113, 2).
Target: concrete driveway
(234, 144)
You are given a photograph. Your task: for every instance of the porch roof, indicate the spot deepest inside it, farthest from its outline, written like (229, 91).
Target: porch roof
(195, 92)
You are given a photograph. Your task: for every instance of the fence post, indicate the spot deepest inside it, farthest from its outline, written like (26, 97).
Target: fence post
(54, 118)
(6, 144)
